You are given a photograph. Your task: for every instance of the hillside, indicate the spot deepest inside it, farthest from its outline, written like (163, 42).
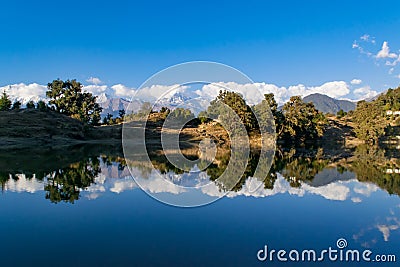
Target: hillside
(32, 127)
(327, 104)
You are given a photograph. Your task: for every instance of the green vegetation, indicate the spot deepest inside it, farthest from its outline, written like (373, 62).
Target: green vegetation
(219, 109)
(302, 120)
(370, 122)
(16, 105)
(181, 114)
(5, 102)
(67, 98)
(296, 122)
(143, 113)
(264, 116)
(341, 113)
(65, 184)
(30, 104)
(109, 120)
(76, 167)
(371, 118)
(41, 105)
(371, 164)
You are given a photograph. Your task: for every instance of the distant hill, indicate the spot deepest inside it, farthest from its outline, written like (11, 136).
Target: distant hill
(328, 104)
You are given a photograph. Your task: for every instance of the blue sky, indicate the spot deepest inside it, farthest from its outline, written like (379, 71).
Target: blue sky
(123, 42)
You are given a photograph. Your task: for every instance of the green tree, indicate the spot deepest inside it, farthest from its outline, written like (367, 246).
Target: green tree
(269, 107)
(203, 117)
(370, 118)
(68, 98)
(16, 105)
(302, 120)
(219, 107)
(30, 104)
(181, 114)
(108, 119)
(41, 105)
(341, 113)
(66, 184)
(121, 113)
(5, 102)
(369, 121)
(371, 164)
(165, 110)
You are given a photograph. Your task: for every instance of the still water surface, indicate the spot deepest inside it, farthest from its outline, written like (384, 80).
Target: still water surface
(80, 206)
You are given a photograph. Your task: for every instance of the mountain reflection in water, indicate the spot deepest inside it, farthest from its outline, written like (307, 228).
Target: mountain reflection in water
(66, 175)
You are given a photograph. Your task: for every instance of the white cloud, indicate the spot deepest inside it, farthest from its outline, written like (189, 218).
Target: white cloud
(356, 81)
(35, 92)
(386, 229)
(356, 199)
(123, 185)
(93, 196)
(156, 92)
(361, 49)
(365, 37)
(332, 89)
(117, 90)
(365, 189)
(95, 89)
(94, 80)
(385, 52)
(24, 184)
(254, 93)
(334, 191)
(123, 91)
(364, 92)
(25, 92)
(391, 59)
(393, 63)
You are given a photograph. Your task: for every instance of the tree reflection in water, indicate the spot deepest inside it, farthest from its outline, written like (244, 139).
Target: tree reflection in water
(67, 172)
(65, 184)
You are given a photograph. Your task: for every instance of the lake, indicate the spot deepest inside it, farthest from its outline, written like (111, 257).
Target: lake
(80, 206)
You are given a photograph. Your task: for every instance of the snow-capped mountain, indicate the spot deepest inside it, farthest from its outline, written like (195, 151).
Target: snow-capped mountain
(26, 99)
(186, 99)
(113, 105)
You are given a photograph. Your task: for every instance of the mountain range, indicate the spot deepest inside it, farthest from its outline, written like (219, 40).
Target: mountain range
(328, 104)
(195, 103)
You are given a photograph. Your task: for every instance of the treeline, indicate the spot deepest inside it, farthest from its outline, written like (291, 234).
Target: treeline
(5, 104)
(65, 97)
(372, 119)
(297, 120)
(146, 112)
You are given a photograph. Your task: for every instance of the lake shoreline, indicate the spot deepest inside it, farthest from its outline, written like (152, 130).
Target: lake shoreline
(34, 128)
